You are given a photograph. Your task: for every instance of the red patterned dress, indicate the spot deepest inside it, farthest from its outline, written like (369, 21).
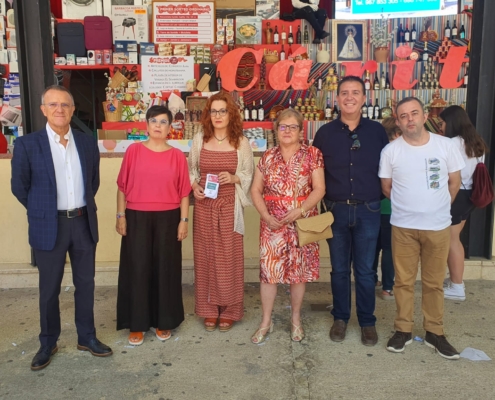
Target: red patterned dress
(281, 260)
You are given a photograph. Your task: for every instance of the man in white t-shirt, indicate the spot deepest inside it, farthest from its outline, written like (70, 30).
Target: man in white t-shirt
(420, 173)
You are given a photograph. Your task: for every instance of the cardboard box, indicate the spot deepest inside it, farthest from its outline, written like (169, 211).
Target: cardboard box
(133, 57)
(130, 23)
(82, 60)
(121, 58)
(147, 48)
(106, 134)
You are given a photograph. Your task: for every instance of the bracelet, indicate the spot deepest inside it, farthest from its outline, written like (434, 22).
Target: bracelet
(303, 213)
(121, 215)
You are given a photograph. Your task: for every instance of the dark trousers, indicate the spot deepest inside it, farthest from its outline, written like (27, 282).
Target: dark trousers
(355, 232)
(384, 244)
(315, 18)
(74, 237)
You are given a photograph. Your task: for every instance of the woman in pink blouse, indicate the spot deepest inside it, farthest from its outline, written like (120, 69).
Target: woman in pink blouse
(152, 216)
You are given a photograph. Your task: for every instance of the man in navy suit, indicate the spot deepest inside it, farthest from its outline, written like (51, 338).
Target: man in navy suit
(55, 175)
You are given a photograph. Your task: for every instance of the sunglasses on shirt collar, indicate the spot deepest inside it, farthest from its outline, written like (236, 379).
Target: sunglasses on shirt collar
(356, 144)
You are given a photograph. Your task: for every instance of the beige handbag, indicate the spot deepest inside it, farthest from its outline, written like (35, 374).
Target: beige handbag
(315, 228)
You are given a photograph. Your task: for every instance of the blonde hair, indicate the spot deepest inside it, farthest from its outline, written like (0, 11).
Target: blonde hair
(287, 113)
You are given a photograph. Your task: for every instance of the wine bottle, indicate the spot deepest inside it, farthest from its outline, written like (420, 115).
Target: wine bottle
(364, 110)
(275, 35)
(387, 111)
(462, 33)
(282, 53)
(335, 112)
(320, 83)
(290, 102)
(284, 34)
(328, 110)
(291, 36)
(425, 52)
(407, 34)
(247, 113)
(447, 31)
(376, 110)
(298, 35)
(414, 33)
(370, 109)
(387, 83)
(383, 81)
(454, 30)
(466, 77)
(400, 34)
(254, 112)
(219, 82)
(289, 52)
(306, 34)
(367, 83)
(376, 83)
(261, 112)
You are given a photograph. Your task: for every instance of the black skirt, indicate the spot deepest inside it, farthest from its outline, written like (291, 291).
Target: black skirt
(150, 272)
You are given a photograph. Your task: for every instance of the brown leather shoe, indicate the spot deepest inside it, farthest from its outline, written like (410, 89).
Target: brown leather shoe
(337, 332)
(369, 337)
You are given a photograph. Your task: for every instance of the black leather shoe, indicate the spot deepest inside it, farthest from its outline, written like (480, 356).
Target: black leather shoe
(43, 357)
(337, 332)
(369, 337)
(324, 35)
(96, 348)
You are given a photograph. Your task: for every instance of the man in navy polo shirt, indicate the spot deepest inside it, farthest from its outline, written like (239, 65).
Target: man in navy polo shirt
(351, 147)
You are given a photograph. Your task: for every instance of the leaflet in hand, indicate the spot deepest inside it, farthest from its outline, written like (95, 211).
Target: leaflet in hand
(211, 187)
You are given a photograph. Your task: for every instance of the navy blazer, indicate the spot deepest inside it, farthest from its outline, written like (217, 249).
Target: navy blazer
(33, 183)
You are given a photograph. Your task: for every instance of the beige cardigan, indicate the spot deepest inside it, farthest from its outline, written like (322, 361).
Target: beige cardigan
(245, 170)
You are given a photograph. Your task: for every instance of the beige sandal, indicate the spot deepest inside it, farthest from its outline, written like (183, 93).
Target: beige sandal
(260, 335)
(297, 333)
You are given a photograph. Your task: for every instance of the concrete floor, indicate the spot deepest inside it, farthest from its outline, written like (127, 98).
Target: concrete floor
(196, 364)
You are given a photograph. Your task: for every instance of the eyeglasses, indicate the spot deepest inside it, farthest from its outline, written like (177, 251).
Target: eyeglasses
(162, 122)
(292, 128)
(54, 106)
(222, 112)
(356, 144)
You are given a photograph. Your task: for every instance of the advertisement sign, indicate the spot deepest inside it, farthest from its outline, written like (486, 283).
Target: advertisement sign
(184, 22)
(130, 23)
(166, 72)
(394, 6)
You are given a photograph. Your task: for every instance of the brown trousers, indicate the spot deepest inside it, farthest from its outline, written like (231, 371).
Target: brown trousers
(409, 246)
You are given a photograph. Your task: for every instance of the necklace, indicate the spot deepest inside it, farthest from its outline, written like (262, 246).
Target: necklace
(220, 140)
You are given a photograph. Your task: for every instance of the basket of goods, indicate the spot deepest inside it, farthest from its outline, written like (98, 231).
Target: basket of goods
(271, 57)
(112, 110)
(118, 80)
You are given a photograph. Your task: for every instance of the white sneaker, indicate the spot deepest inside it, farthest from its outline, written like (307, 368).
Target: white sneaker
(447, 282)
(455, 291)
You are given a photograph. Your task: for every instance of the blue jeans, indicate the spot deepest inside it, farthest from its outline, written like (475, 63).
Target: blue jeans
(384, 244)
(355, 233)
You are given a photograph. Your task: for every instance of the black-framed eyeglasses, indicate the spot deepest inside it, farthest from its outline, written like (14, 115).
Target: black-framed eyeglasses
(222, 112)
(356, 144)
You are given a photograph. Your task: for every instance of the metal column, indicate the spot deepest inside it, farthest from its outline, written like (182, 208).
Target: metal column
(481, 110)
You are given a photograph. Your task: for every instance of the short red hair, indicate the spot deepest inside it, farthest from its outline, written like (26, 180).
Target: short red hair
(234, 130)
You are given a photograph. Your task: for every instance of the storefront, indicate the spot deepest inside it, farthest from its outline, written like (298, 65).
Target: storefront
(161, 53)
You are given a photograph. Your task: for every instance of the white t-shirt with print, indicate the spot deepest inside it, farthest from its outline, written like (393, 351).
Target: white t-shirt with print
(420, 194)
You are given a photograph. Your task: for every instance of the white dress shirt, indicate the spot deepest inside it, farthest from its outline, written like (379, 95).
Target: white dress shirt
(68, 172)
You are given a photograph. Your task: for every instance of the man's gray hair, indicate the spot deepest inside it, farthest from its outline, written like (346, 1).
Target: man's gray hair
(408, 100)
(57, 88)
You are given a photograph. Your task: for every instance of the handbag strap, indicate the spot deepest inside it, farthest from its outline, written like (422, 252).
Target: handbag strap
(296, 186)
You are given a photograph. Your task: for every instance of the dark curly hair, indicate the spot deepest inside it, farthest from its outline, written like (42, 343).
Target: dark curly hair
(234, 130)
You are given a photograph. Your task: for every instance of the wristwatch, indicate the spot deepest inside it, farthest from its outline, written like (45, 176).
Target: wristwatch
(121, 215)
(184, 219)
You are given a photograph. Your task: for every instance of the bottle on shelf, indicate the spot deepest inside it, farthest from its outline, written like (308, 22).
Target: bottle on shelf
(447, 32)
(414, 33)
(283, 35)
(289, 52)
(306, 34)
(400, 34)
(376, 110)
(290, 39)
(425, 52)
(276, 36)
(376, 83)
(290, 102)
(364, 110)
(261, 111)
(387, 83)
(282, 53)
(298, 35)
(247, 113)
(454, 30)
(387, 111)
(462, 33)
(370, 109)
(383, 81)
(407, 34)
(328, 110)
(367, 83)
(466, 77)
(335, 112)
(254, 112)
(320, 83)
(219, 82)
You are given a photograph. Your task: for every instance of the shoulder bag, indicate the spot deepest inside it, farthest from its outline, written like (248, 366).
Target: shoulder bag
(482, 186)
(312, 229)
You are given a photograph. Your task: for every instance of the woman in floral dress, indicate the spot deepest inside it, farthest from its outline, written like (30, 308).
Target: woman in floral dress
(273, 192)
